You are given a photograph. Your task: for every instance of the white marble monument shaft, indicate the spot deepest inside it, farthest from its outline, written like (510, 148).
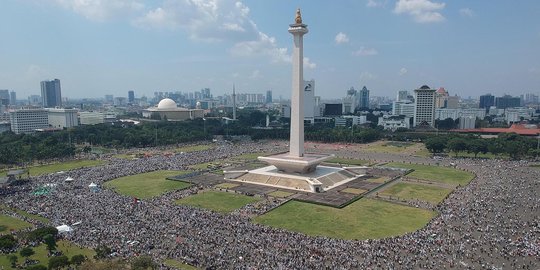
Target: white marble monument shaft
(296, 144)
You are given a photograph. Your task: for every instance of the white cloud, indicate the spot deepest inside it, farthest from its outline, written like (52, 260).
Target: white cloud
(215, 21)
(422, 11)
(402, 71)
(466, 12)
(374, 3)
(256, 74)
(341, 38)
(308, 64)
(366, 76)
(363, 51)
(100, 10)
(534, 70)
(264, 45)
(206, 20)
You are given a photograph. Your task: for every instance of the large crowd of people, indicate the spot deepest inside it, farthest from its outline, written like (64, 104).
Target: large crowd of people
(492, 223)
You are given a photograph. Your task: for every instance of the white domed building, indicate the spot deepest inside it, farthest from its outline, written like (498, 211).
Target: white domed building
(168, 110)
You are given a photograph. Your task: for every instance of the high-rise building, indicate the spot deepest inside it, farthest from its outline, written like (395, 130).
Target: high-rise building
(28, 120)
(109, 99)
(309, 101)
(363, 100)
(403, 95)
(441, 98)
(4, 97)
(424, 111)
(12, 98)
(268, 96)
(486, 101)
(507, 101)
(51, 93)
(131, 97)
(205, 93)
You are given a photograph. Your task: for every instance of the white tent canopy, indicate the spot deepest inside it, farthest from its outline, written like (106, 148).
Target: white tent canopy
(69, 179)
(92, 185)
(64, 228)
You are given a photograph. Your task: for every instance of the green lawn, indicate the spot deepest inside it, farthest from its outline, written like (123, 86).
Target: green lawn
(147, 185)
(379, 180)
(64, 166)
(125, 156)
(409, 191)
(348, 161)
(11, 223)
(41, 254)
(280, 194)
(222, 202)
(193, 148)
(179, 265)
(389, 147)
(250, 156)
(25, 214)
(363, 219)
(436, 173)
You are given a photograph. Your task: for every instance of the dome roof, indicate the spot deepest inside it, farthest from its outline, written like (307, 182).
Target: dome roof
(425, 87)
(166, 104)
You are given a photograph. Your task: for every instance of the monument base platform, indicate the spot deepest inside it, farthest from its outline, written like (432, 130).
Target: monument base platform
(291, 164)
(323, 179)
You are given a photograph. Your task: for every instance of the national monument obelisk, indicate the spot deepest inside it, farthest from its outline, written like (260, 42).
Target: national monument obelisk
(296, 144)
(296, 161)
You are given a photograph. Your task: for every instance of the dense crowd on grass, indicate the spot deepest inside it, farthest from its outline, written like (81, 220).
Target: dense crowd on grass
(491, 223)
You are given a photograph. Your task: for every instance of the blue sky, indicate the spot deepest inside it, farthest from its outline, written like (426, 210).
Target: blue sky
(99, 47)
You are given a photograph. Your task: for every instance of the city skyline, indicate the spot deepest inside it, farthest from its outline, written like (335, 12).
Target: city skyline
(111, 47)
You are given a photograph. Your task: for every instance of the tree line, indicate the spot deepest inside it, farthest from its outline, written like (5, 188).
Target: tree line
(509, 144)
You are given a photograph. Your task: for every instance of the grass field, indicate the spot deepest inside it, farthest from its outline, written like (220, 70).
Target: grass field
(280, 194)
(410, 191)
(436, 173)
(25, 214)
(348, 161)
(389, 147)
(193, 148)
(64, 166)
(12, 224)
(250, 156)
(226, 185)
(379, 180)
(222, 202)
(179, 265)
(41, 254)
(147, 185)
(356, 191)
(363, 219)
(125, 156)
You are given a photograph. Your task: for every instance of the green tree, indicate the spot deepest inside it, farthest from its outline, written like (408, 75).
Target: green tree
(58, 262)
(477, 146)
(39, 233)
(78, 259)
(457, 145)
(436, 144)
(102, 252)
(27, 252)
(143, 263)
(7, 242)
(50, 241)
(13, 260)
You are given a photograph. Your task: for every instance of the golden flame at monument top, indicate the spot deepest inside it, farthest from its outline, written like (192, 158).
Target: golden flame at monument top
(298, 18)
